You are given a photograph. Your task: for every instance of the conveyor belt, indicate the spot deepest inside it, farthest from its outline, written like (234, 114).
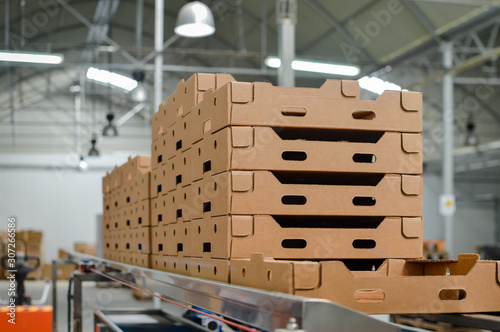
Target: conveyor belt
(259, 309)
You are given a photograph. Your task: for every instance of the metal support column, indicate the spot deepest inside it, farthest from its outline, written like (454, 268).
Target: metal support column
(9, 74)
(286, 17)
(158, 72)
(447, 171)
(54, 296)
(496, 206)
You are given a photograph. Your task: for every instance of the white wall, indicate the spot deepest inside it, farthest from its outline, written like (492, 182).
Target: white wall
(473, 222)
(61, 202)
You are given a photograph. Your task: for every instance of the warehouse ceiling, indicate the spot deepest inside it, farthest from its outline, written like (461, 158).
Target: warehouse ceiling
(398, 41)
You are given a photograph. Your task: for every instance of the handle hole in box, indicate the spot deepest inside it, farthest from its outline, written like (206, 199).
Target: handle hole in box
(294, 243)
(367, 158)
(294, 200)
(178, 145)
(452, 294)
(369, 295)
(207, 207)
(294, 155)
(364, 201)
(178, 179)
(207, 247)
(180, 247)
(364, 244)
(363, 115)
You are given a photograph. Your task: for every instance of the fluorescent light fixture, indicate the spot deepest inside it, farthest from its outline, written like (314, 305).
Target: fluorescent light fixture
(315, 67)
(108, 77)
(377, 85)
(195, 20)
(46, 58)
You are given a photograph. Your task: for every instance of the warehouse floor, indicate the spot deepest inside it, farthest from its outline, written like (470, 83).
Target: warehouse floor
(93, 297)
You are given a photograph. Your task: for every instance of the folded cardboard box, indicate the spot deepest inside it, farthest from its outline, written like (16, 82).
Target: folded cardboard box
(301, 193)
(189, 93)
(261, 104)
(63, 271)
(85, 248)
(300, 237)
(135, 167)
(311, 150)
(396, 286)
(141, 214)
(178, 171)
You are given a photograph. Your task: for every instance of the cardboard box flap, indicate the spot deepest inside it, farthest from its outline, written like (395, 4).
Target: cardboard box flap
(143, 161)
(411, 143)
(411, 185)
(241, 226)
(411, 101)
(350, 88)
(205, 81)
(412, 227)
(241, 92)
(242, 137)
(242, 181)
(307, 275)
(222, 79)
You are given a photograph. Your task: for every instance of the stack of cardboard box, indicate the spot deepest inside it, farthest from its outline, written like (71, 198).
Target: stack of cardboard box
(305, 191)
(126, 216)
(291, 173)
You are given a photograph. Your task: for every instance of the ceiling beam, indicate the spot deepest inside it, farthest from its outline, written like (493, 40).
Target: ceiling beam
(339, 27)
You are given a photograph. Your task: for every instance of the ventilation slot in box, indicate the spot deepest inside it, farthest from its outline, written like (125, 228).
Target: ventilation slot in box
(328, 222)
(207, 166)
(329, 135)
(327, 178)
(207, 247)
(207, 207)
(178, 145)
(179, 247)
(179, 213)
(178, 179)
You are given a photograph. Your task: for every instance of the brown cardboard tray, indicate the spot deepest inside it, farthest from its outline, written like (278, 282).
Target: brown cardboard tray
(395, 287)
(301, 193)
(266, 148)
(302, 237)
(261, 104)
